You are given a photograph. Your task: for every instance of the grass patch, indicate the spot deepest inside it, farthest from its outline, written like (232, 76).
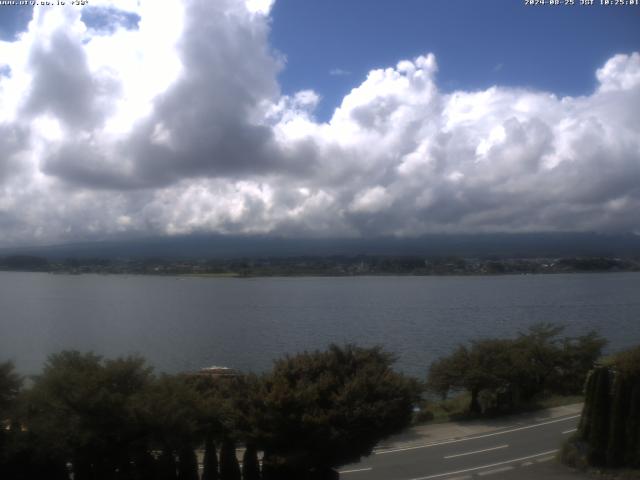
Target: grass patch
(550, 401)
(444, 410)
(456, 408)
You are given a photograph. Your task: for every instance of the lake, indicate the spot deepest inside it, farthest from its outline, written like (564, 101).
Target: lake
(186, 323)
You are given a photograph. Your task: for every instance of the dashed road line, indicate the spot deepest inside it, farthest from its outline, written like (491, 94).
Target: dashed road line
(570, 431)
(476, 451)
(513, 460)
(368, 469)
(495, 470)
(545, 459)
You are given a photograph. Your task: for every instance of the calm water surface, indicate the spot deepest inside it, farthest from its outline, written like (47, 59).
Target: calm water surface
(188, 323)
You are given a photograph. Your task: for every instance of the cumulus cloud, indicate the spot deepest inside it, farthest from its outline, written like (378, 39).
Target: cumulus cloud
(622, 72)
(136, 119)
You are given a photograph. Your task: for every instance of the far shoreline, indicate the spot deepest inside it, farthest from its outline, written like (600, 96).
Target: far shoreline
(323, 266)
(232, 275)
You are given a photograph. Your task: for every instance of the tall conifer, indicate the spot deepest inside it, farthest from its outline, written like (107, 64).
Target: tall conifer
(599, 435)
(210, 471)
(229, 467)
(187, 464)
(250, 465)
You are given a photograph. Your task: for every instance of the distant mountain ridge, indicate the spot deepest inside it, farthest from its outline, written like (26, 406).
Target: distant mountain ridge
(223, 246)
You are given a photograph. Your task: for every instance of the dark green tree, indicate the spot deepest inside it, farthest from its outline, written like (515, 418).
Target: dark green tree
(492, 368)
(538, 358)
(600, 415)
(187, 464)
(578, 357)
(632, 440)
(229, 466)
(231, 405)
(627, 366)
(167, 468)
(487, 365)
(447, 373)
(610, 422)
(250, 465)
(329, 408)
(10, 384)
(514, 370)
(145, 464)
(79, 411)
(619, 418)
(584, 427)
(210, 467)
(169, 411)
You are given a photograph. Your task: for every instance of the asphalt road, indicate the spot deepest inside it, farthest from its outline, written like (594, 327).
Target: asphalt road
(521, 451)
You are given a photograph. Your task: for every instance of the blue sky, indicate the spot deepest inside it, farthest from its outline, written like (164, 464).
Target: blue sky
(13, 20)
(477, 43)
(127, 118)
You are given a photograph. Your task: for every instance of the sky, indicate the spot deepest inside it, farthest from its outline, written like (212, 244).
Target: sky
(303, 118)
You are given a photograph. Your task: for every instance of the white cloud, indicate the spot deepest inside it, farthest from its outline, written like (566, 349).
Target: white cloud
(621, 72)
(371, 200)
(179, 126)
(262, 7)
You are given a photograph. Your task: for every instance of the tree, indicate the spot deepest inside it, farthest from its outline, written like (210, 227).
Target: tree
(538, 356)
(447, 373)
(210, 467)
(578, 356)
(584, 427)
(632, 440)
(627, 365)
(231, 406)
(491, 368)
(10, 384)
(611, 416)
(187, 464)
(326, 409)
(80, 411)
(229, 467)
(145, 464)
(167, 468)
(507, 371)
(487, 365)
(619, 418)
(250, 465)
(169, 412)
(600, 417)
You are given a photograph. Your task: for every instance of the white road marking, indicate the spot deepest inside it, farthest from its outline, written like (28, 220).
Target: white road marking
(545, 459)
(476, 451)
(495, 470)
(486, 466)
(356, 470)
(570, 431)
(466, 439)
